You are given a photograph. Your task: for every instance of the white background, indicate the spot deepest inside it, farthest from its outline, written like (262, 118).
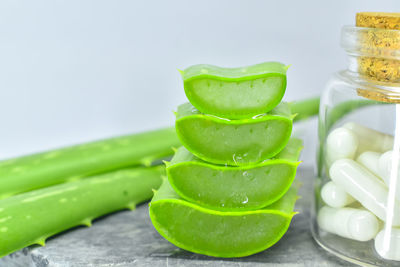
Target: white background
(74, 71)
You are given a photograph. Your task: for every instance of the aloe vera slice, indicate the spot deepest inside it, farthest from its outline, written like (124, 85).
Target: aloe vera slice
(234, 142)
(233, 188)
(68, 164)
(235, 93)
(217, 233)
(30, 218)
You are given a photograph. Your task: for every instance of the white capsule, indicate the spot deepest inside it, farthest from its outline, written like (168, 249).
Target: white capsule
(360, 225)
(390, 250)
(385, 165)
(365, 187)
(385, 169)
(370, 160)
(341, 143)
(369, 139)
(335, 196)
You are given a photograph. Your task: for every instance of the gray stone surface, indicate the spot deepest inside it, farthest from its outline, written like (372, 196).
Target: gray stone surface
(128, 239)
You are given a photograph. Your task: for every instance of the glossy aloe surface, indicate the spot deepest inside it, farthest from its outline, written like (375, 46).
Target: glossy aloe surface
(234, 142)
(68, 164)
(217, 233)
(30, 218)
(233, 188)
(235, 93)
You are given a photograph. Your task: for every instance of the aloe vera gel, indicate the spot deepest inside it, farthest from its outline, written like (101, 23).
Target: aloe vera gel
(235, 93)
(220, 233)
(234, 142)
(231, 188)
(251, 187)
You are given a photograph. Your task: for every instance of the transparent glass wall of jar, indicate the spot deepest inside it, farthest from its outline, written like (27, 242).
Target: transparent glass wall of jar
(357, 190)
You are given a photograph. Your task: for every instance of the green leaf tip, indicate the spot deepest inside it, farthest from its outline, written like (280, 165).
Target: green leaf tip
(131, 206)
(41, 242)
(166, 163)
(181, 72)
(287, 67)
(87, 222)
(147, 162)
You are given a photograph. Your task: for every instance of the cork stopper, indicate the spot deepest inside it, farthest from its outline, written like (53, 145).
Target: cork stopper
(378, 20)
(381, 46)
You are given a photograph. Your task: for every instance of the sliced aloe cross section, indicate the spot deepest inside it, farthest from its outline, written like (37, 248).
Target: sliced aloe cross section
(234, 188)
(217, 233)
(235, 93)
(234, 142)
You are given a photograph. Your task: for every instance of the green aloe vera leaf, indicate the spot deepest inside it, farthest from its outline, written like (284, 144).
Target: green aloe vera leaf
(233, 188)
(235, 93)
(305, 109)
(30, 218)
(217, 233)
(67, 164)
(339, 111)
(234, 142)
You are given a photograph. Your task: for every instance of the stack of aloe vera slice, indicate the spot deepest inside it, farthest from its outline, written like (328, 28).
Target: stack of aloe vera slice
(230, 190)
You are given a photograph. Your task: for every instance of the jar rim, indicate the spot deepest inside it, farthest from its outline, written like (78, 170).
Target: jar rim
(374, 90)
(371, 42)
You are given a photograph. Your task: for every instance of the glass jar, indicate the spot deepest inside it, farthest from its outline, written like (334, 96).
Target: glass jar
(357, 190)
